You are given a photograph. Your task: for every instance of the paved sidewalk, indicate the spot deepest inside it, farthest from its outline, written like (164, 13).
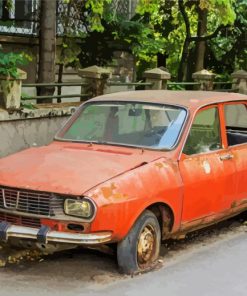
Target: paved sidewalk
(205, 268)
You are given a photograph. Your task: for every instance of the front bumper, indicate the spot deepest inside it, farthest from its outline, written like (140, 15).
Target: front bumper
(45, 235)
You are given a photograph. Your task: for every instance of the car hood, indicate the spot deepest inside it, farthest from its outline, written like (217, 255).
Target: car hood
(69, 168)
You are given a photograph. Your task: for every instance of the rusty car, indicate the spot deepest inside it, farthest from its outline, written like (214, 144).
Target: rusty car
(130, 170)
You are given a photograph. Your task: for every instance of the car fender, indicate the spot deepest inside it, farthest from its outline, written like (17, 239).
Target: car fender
(121, 200)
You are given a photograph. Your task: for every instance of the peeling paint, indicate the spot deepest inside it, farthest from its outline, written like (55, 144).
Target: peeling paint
(159, 165)
(108, 191)
(207, 167)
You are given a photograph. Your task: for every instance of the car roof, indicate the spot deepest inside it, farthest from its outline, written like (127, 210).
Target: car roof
(188, 99)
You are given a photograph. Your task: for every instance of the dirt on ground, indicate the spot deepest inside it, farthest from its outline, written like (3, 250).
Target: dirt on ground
(100, 266)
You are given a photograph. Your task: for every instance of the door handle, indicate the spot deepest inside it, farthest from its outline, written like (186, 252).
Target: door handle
(226, 157)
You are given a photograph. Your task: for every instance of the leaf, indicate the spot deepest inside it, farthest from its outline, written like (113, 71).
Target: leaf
(9, 63)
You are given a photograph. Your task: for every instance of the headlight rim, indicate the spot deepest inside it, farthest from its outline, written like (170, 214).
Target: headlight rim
(82, 198)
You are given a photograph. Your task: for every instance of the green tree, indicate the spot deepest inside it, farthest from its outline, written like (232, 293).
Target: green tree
(182, 35)
(228, 51)
(187, 25)
(212, 17)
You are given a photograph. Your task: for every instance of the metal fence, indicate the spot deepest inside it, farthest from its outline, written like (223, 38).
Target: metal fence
(55, 98)
(83, 95)
(22, 18)
(72, 97)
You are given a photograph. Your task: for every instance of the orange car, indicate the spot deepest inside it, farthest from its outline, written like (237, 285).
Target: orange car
(130, 169)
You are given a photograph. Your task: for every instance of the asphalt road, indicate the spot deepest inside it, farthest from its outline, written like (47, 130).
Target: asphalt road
(208, 263)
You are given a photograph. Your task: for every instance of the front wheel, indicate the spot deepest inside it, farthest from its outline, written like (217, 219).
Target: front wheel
(140, 249)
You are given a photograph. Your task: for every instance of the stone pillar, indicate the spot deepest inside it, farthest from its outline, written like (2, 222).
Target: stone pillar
(205, 78)
(240, 81)
(10, 90)
(157, 77)
(97, 78)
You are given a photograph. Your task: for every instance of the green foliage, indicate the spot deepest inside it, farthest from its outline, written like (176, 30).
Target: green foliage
(158, 27)
(175, 87)
(149, 6)
(25, 102)
(97, 9)
(167, 23)
(228, 51)
(222, 9)
(29, 106)
(67, 53)
(141, 38)
(10, 61)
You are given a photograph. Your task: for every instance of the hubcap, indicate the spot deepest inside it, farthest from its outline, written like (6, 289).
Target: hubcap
(146, 245)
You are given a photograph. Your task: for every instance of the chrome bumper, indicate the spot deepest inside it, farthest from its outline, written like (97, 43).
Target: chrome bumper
(45, 235)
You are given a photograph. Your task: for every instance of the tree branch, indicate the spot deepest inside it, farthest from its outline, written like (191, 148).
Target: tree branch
(208, 37)
(185, 17)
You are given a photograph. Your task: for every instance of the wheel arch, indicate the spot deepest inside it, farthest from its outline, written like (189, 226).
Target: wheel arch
(163, 213)
(165, 216)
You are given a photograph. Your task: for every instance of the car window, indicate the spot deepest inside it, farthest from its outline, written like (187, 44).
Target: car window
(92, 124)
(204, 134)
(125, 123)
(236, 123)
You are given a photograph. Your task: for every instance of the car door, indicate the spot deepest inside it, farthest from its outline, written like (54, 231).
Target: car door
(208, 180)
(236, 129)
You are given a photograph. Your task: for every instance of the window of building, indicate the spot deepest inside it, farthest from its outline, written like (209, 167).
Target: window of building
(18, 17)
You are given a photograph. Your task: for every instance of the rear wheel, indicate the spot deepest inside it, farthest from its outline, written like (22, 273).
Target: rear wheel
(139, 250)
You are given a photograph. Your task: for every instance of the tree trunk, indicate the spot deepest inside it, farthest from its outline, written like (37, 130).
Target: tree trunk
(64, 41)
(161, 59)
(201, 45)
(5, 10)
(184, 59)
(47, 47)
(185, 52)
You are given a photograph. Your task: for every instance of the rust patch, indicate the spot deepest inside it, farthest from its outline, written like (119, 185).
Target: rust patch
(159, 165)
(108, 191)
(118, 195)
(242, 202)
(94, 196)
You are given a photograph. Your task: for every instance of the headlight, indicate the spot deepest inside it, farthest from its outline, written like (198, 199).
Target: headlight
(83, 208)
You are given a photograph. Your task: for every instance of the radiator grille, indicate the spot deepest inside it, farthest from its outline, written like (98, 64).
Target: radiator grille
(19, 220)
(32, 202)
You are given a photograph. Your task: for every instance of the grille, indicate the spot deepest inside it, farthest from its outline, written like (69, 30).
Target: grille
(32, 202)
(18, 220)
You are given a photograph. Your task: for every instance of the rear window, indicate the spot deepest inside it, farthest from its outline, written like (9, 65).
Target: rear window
(236, 115)
(236, 123)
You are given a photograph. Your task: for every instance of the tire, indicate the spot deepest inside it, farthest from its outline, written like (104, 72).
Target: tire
(140, 249)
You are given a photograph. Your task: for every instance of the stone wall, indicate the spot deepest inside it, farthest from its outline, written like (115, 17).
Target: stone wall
(20, 131)
(21, 134)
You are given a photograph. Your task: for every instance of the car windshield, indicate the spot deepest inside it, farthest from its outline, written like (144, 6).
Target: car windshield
(126, 123)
